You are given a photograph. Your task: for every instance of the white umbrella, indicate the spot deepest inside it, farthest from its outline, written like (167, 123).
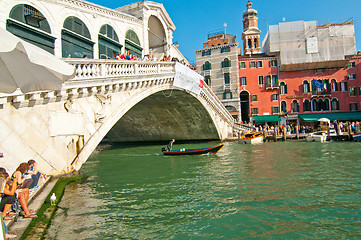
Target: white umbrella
(28, 67)
(324, 120)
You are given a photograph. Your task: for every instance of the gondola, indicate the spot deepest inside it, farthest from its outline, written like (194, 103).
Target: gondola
(210, 150)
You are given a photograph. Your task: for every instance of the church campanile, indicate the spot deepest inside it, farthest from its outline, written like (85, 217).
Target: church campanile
(251, 33)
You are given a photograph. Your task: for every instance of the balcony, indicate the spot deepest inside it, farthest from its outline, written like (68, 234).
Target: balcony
(207, 73)
(272, 85)
(226, 70)
(227, 87)
(320, 92)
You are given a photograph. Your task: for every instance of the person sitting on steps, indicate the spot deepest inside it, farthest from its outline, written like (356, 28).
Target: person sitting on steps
(24, 183)
(35, 173)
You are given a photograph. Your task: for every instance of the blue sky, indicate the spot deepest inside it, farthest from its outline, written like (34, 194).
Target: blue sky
(195, 19)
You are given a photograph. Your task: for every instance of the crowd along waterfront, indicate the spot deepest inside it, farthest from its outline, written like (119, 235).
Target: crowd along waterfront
(283, 190)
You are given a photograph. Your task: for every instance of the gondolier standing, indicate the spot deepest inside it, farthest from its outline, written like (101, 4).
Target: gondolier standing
(170, 145)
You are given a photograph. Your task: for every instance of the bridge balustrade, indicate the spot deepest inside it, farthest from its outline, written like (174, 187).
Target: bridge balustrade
(85, 69)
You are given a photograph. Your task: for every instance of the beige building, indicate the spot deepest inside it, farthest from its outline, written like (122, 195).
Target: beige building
(217, 61)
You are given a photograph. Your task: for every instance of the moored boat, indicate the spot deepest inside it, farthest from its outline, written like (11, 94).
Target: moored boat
(356, 137)
(198, 151)
(320, 136)
(251, 138)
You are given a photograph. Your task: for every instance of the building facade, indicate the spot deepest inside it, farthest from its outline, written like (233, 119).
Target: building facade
(305, 70)
(74, 29)
(217, 61)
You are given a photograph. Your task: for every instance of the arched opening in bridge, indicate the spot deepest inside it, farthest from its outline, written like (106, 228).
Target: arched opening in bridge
(165, 115)
(244, 97)
(157, 37)
(29, 24)
(109, 45)
(75, 39)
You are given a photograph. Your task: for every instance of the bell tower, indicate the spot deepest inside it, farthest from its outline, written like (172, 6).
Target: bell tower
(251, 33)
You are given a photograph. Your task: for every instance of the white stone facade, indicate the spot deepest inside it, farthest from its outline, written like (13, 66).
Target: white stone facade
(94, 16)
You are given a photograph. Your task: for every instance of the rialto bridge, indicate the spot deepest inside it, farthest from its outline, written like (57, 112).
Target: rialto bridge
(125, 101)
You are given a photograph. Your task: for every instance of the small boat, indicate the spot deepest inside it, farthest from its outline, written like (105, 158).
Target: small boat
(251, 138)
(320, 136)
(211, 150)
(356, 137)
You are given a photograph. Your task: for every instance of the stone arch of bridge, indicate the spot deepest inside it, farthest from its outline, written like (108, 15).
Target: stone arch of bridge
(153, 114)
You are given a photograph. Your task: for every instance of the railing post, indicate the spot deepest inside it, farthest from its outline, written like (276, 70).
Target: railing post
(102, 69)
(136, 70)
(158, 68)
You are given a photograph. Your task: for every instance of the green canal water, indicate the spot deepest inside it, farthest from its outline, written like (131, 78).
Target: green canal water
(283, 190)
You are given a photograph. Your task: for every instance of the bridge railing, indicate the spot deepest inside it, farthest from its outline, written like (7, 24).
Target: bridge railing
(91, 68)
(211, 99)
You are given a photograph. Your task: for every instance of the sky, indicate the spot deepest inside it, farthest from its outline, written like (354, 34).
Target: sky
(195, 19)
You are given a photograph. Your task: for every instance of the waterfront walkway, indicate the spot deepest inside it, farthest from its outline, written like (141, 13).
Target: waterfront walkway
(35, 202)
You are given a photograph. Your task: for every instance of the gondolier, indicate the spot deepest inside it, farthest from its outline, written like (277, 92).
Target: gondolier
(170, 145)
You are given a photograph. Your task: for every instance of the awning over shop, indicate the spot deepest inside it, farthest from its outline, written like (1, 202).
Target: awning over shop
(339, 116)
(267, 118)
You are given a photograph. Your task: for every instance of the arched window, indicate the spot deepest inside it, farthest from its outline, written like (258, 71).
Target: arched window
(132, 43)
(231, 109)
(326, 105)
(307, 106)
(295, 106)
(255, 43)
(75, 39)
(306, 86)
(109, 45)
(315, 89)
(283, 88)
(320, 105)
(314, 105)
(226, 63)
(30, 24)
(207, 66)
(249, 43)
(334, 85)
(334, 105)
(283, 107)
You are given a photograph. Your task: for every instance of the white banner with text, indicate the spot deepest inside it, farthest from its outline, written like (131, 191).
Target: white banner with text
(187, 79)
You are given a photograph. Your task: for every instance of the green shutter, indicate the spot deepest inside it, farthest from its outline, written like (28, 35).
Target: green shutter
(133, 48)
(40, 39)
(75, 46)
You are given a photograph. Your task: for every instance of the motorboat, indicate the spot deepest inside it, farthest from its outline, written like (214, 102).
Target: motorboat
(320, 136)
(199, 151)
(252, 138)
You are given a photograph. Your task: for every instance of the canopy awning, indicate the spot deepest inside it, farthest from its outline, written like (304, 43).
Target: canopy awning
(267, 118)
(339, 116)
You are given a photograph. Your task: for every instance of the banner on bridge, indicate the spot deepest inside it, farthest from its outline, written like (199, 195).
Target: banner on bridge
(187, 79)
